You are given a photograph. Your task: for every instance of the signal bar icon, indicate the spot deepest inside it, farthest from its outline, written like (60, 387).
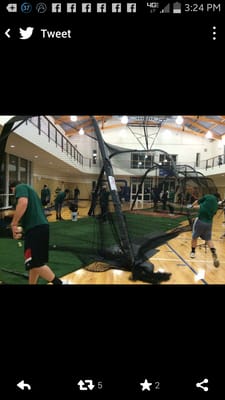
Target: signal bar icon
(174, 8)
(166, 9)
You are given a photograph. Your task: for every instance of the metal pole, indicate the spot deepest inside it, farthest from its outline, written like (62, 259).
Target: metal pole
(122, 227)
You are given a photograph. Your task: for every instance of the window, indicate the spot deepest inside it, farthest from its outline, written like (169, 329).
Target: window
(174, 158)
(165, 159)
(2, 183)
(141, 160)
(13, 168)
(23, 169)
(94, 157)
(197, 159)
(18, 169)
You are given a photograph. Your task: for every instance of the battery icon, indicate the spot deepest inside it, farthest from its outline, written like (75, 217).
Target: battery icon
(177, 7)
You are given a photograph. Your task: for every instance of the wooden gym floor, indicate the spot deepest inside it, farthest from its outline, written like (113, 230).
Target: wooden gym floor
(172, 257)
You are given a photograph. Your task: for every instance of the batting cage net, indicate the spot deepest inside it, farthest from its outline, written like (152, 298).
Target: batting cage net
(138, 203)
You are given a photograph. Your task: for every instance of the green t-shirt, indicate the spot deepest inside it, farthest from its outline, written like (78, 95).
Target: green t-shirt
(34, 214)
(208, 208)
(60, 198)
(171, 197)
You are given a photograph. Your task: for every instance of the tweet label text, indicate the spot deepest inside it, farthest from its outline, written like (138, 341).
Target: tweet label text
(47, 34)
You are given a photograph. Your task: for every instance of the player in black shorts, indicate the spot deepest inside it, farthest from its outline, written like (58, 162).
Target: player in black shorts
(30, 215)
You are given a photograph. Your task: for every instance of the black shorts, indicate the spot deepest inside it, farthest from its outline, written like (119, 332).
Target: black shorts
(202, 229)
(36, 245)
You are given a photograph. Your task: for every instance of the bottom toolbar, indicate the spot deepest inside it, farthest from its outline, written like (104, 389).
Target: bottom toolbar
(112, 385)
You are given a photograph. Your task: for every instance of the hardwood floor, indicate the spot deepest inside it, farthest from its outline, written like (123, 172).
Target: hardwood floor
(172, 257)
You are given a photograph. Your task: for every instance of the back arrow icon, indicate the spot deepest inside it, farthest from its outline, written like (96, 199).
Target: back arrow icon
(7, 33)
(22, 385)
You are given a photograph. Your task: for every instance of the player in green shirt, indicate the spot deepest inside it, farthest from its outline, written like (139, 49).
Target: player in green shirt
(45, 195)
(29, 214)
(202, 227)
(59, 203)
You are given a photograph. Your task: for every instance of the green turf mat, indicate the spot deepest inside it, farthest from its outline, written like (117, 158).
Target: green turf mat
(73, 245)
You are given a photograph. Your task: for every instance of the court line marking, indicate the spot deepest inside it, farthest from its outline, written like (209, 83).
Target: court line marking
(186, 263)
(192, 260)
(163, 259)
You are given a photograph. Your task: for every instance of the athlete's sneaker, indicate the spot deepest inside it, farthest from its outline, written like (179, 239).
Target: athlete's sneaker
(192, 254)
(216, 262)
(66, 282)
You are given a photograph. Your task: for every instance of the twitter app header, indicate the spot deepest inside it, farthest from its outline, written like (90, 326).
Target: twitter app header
(31, 32)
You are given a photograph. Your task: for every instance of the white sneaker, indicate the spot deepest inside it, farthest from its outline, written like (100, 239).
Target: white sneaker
(67, 282)
(192, 254)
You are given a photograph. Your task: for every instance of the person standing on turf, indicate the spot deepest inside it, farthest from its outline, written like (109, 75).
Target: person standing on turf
(30, 215)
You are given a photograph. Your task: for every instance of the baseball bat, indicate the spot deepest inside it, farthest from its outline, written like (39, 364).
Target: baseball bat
(23, 274)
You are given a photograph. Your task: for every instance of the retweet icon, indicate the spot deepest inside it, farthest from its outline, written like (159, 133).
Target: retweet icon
(26, 33)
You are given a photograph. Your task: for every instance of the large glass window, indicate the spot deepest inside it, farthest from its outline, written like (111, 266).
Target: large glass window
(2, 183)
(197, 162)
(146, 188)
(149, 160)
(94, 156)
(141, 160)
(174, 157)
(134, 160)
(164, 160)
(23, 170)
(13, 168)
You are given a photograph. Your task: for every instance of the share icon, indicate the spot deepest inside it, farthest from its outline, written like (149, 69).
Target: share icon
(199, 385)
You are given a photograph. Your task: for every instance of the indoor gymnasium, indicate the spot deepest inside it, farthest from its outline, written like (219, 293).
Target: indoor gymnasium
(122, 196)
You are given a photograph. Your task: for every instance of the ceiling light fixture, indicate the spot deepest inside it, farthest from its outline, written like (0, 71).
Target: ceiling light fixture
(208, 135)
(179, 120)
(124, 119)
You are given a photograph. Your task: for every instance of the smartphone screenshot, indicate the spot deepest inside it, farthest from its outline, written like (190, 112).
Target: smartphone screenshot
(112, 160)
